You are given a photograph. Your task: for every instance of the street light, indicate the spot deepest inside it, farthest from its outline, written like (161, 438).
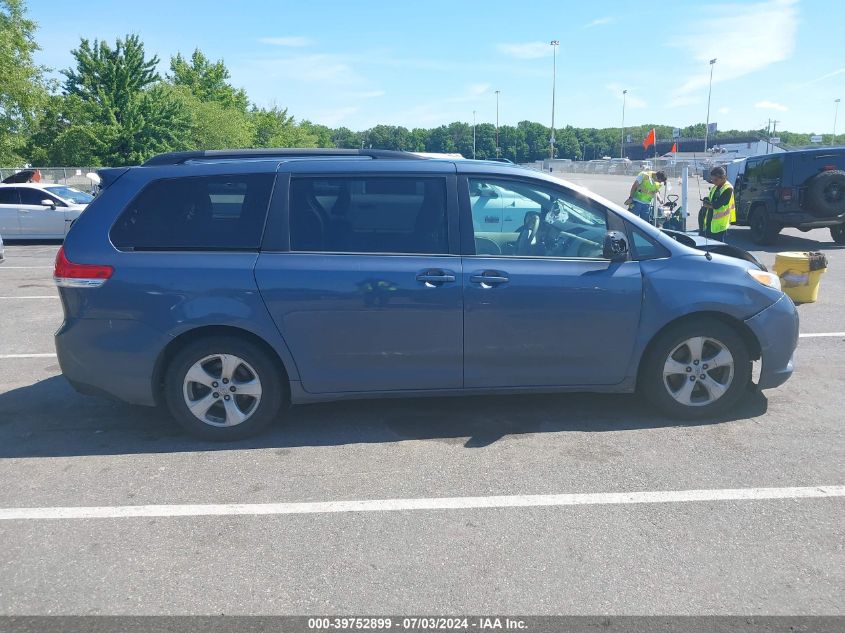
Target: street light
(554, 44)
(709, 90)
(622, 143)
(473, 134)
(835, 112)
(497, 123)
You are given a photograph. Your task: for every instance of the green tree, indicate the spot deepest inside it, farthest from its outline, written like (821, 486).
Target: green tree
(206, 81)
(275, 128)
(22, 88)
(130, 116)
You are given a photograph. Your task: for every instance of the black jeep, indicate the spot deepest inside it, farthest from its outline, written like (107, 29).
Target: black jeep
(803, 189)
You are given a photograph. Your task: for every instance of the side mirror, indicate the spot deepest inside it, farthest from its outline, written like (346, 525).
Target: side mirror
(615, 246)
(46, 202)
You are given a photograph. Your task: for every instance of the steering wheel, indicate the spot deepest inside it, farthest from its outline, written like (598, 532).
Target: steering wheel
(528, 233)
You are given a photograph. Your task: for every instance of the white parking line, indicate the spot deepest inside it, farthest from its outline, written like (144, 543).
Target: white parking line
(4, 356)
(34, 297)
(398, 505)
(821, 334)
(24, 267)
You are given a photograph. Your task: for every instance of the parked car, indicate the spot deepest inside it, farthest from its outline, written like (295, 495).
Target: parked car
(39, 211)
(803, 189)
(226, 284)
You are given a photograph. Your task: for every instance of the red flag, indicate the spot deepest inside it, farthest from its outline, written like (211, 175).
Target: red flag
(674, 148)
(649, 139)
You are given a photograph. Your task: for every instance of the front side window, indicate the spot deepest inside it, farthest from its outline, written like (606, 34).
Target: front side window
(69, 193)
(202, 213)
(528, 219)
(378, 214)
(35, 196)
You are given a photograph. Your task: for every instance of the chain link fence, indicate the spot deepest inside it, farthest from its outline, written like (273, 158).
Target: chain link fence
(70, 176)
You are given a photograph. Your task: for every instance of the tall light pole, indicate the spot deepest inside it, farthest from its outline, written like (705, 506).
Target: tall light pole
(497, 123)
(709, 90)
(622, 143)
(473, 134)
(554, 44)
(835, 112)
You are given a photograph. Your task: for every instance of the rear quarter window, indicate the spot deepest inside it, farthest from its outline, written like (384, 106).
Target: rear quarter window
(197, 213)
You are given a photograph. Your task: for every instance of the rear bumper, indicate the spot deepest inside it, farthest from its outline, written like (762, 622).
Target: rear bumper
(776, 328)
(110, 357)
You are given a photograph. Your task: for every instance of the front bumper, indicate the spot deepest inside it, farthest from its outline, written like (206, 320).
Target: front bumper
(776, 328)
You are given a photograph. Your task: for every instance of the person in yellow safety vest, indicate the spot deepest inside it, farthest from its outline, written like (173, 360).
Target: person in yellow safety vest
(719, 206)
(643, 190)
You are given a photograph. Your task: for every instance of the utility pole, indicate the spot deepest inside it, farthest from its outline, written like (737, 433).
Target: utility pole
(497, 123)
(473, 135)
(774, 127)
(835, 112)
(622, 144)
(554, 44)
(709, 91)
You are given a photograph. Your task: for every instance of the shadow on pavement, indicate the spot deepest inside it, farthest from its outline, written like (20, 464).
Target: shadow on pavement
(49, 419)
(741, 237)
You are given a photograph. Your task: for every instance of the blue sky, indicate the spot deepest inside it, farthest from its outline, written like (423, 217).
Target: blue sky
(420, 64)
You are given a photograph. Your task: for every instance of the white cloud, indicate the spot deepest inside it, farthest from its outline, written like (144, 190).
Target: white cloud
(309, 68)
(724, 110)
(631, 101)
(836, 72)
(334, 117)
(366, 94)
(601, 22)
(527, 50)
(291, 40)
(771, 105)
(753, 37)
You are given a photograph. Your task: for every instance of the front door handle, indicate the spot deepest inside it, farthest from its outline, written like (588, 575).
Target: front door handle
(434, 278)
(490, 278)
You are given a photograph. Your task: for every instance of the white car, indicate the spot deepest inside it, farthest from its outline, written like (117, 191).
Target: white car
(39, 211)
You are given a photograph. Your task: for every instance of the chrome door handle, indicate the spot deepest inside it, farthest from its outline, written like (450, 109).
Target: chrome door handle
(432, 278)
(489, 279)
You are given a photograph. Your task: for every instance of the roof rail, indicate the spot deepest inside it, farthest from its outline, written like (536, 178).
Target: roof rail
(178, 158)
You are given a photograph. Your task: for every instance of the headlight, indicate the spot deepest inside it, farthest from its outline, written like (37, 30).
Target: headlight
(767, 279)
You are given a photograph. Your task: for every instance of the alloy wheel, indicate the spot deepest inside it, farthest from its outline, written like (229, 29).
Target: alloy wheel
(222, 390)
(698, 371)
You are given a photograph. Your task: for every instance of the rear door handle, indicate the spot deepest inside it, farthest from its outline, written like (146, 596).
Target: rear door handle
(434, 278)
(490, 278)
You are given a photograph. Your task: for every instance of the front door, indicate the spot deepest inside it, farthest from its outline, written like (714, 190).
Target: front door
(369, 297)
(37, 220)
(546, 309)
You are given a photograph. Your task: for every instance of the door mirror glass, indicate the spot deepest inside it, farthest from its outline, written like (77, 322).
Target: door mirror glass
(615, 246)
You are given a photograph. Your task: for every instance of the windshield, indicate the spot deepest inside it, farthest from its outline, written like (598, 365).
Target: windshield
(69, 193)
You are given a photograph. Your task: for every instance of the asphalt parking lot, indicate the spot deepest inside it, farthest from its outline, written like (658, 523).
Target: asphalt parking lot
(740, 553)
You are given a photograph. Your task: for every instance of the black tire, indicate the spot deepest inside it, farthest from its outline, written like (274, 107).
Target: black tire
(826, 193)
(763, 230)
(838, 233)
(255, 360)
(656, 388)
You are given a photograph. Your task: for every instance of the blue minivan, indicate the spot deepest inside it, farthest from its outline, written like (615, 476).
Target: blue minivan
(228, 284)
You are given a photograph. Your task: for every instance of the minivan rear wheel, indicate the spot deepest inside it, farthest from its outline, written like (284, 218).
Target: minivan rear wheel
(697, 368)
(223, 388)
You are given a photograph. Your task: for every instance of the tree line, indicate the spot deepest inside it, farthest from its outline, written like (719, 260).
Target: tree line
(113, 107)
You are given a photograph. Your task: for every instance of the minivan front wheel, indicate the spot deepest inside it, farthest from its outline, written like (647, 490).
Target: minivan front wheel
(696, 369)
(223, 388)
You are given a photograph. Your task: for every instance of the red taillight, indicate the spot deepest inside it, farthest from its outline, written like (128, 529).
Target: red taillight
(829, 168)
(70, 275)
(786, 194)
